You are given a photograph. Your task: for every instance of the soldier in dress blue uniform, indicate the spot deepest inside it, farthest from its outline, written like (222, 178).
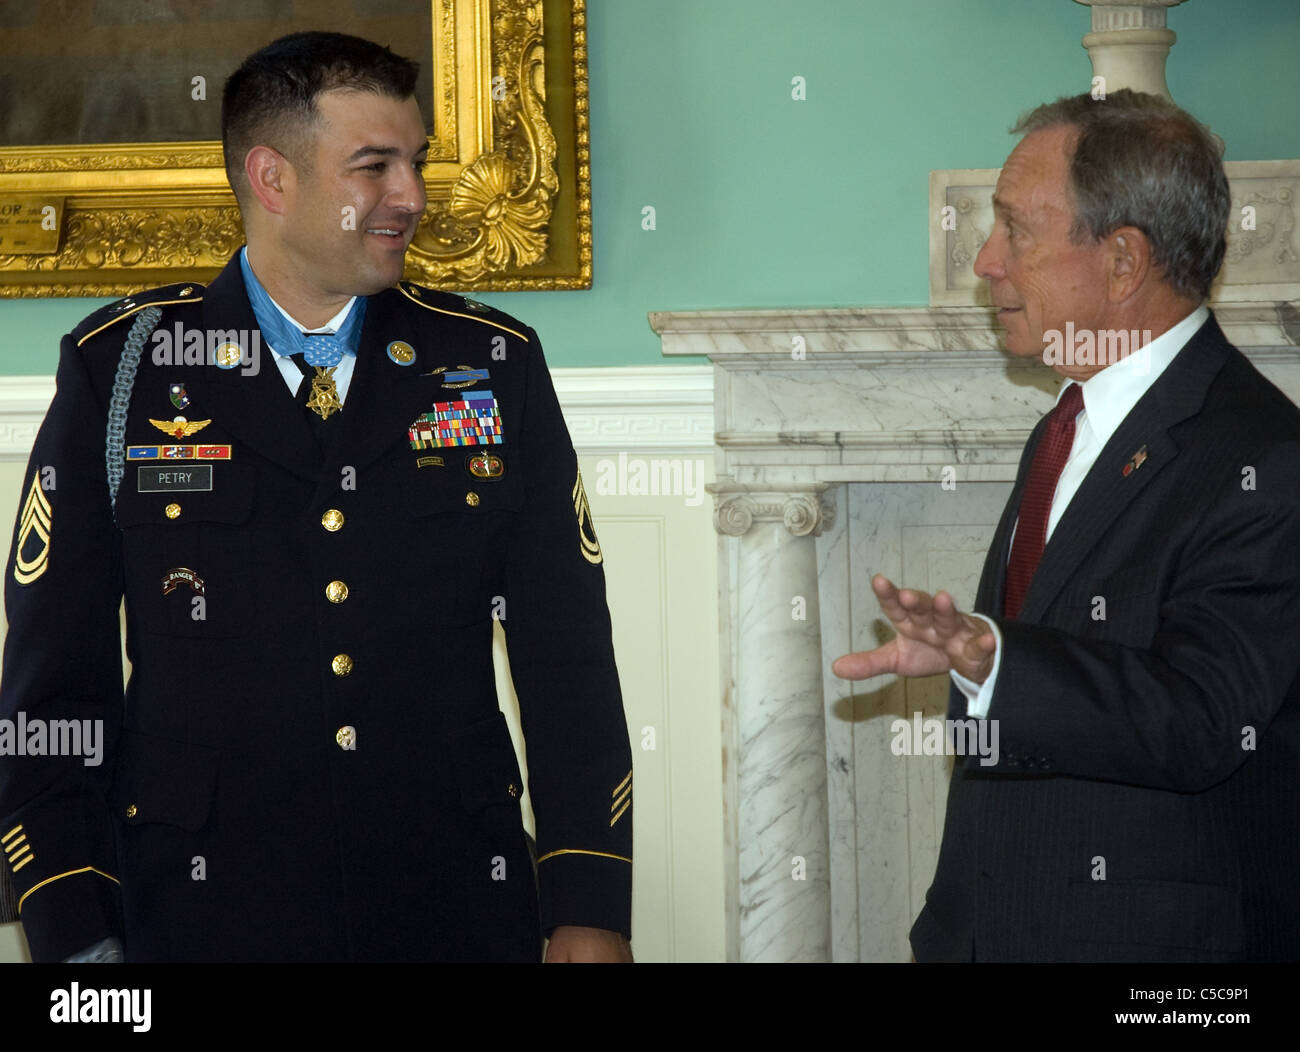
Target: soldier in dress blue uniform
(317, 486)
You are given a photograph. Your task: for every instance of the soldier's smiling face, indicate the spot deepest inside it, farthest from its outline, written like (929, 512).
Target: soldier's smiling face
(354, 209)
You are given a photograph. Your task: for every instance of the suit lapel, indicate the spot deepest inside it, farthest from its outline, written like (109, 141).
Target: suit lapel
(991, 594)
(1107, 491)
(257, 406)
(384, 397)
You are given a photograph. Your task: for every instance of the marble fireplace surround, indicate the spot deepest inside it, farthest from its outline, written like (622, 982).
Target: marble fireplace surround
(817, 412)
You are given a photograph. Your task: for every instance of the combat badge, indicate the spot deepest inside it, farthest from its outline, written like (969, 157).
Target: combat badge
(485, 466)
(36, 522)
(174, 578)
(179, 427)
(588, 545)
(461, 376)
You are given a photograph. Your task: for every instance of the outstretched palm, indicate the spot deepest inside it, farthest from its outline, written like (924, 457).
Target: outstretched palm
(933, 637)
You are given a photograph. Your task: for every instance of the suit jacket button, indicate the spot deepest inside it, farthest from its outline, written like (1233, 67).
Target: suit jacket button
(471, 498)
(347, 738)
(332, 520)
(342, 664)
(172, 511)
(336, 591)
(132, 811)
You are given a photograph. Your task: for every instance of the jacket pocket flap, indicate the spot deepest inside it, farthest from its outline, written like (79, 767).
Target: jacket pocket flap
(487, 769)
(163, 780)
(216, 491)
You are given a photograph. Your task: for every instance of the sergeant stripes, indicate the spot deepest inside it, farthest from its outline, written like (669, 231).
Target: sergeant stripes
(16, 846)
(622, 796)
(37, 520)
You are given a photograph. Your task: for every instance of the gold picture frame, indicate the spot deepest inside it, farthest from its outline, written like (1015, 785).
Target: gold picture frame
(509, 176)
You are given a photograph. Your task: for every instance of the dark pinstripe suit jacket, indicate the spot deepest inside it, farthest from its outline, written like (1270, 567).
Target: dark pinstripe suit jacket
(1146, 802)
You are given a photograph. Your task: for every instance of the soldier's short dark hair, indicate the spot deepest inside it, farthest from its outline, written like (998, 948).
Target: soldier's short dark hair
(1141, 161)
(270, 100)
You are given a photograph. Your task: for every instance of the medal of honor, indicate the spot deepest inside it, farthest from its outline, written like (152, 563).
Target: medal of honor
(324, 398)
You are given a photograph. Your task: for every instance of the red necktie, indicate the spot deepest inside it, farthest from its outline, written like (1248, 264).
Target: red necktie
(1036, 501)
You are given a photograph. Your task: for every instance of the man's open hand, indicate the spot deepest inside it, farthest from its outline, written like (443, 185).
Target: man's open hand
(571, 944)
(933, 637)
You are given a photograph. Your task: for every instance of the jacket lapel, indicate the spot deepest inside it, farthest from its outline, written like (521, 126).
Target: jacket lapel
(256, 406)
(991, 594)
(1107, 491)
(384, 396)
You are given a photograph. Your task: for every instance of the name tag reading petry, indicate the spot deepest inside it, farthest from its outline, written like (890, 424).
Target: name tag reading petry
(174, 479)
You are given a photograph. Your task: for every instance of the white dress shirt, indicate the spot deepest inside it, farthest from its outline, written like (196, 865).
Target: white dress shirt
(342, 372)
(1108, 397)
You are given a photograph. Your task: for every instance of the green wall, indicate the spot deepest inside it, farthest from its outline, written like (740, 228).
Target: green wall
(765, 202)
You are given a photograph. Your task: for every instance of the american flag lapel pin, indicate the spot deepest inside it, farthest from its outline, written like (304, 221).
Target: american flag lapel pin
(1135, 462)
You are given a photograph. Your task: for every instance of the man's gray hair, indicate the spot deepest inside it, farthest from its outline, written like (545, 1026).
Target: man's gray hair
(1141, 161)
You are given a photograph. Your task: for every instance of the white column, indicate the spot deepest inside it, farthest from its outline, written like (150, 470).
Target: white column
(1129, 43)
(779, 903)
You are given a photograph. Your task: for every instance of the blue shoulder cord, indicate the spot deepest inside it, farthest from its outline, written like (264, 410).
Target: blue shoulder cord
(114, 454)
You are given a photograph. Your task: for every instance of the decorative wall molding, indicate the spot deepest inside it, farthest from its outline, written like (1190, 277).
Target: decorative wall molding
(646, 408)
(656, 408)
(23, 402)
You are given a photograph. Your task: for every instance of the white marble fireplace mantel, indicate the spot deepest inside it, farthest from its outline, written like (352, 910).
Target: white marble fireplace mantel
(848, 442)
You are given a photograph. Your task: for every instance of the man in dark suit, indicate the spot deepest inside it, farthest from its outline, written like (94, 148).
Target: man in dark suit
(1137, 629)
(323, 485)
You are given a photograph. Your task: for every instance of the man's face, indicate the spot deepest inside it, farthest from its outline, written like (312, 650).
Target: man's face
(1037, 276)
(349, 218)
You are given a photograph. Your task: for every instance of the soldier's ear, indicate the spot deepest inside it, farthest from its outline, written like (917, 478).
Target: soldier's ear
(269, 174)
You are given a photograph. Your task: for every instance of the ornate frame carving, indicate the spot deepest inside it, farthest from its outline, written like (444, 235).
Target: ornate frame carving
(509, 177)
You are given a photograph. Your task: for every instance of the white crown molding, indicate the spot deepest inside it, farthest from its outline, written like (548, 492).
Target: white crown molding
(644, 408)
(627, 408)
(23, 402)
(899, 335)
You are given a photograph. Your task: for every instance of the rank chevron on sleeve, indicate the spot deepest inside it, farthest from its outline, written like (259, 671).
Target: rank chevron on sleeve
(36, 521)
